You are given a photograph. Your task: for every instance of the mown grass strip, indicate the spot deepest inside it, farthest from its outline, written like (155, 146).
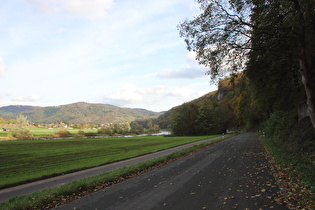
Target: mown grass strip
(29, 160)
(52, 197)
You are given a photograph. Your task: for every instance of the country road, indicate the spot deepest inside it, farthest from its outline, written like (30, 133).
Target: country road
(231, 174)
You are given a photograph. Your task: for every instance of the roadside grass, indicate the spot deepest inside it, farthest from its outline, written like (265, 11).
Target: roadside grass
(297, 170)
(53, 197)
(23, 161)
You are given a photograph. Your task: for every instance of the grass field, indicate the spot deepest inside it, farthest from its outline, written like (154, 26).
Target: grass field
(45, 131)
(26, 160)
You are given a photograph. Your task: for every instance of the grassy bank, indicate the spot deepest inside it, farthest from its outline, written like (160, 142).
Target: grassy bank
(27, 160)
(51, 198)
(293, 151)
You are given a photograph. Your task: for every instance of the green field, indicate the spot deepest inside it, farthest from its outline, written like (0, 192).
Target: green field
(26, 160)
(45, 131)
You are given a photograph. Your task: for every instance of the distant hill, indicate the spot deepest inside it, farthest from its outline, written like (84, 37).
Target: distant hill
(17, 109)
(80, 112)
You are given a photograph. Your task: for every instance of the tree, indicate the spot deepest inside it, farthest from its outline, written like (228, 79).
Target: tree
(105, 130)
(120, 128)
(136, 128)
(226, 31)
(220, 35)
(22, 132)
(277, 31)
(125, 127)
(212, 118)
(274, 79)
(183, 120)
(22, 121)
(155, 128)
(301, 20)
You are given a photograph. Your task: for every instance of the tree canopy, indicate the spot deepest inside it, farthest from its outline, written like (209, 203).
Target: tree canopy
(271, 37)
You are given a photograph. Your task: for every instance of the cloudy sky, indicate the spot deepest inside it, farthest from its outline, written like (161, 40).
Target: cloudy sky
(121, 52)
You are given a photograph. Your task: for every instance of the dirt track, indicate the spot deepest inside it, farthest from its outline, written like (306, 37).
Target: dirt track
(231, 174)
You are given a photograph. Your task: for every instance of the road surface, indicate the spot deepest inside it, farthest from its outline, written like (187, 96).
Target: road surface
(231, 174)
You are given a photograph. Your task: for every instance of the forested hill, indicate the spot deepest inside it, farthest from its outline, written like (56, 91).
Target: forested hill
(76, 113)
(214, 112)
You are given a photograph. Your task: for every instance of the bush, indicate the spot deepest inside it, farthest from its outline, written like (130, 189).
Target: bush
(79, 134)
(299, 138)
(105, 131)
(22, 133)
(277, 123)
(90, 134)
(62, 133)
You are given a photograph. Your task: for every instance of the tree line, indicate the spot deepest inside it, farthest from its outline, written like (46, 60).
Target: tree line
(22, 124)
(200, 119)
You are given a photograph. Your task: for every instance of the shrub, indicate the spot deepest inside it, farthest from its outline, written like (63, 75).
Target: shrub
(105, 131)
(90, 134)
(62, 133)
(22, 133)
(277, 123)
(81, 133)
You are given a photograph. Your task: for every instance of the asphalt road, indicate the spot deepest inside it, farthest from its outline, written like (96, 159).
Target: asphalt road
(231, 174)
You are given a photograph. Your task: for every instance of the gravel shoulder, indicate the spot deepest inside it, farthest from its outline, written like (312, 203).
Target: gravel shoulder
(231, 174)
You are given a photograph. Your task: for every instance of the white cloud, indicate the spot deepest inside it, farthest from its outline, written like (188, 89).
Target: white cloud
(188, 94)
(191, 71)
(188, 72)
(27, 98)
(131, 94)
(128, 93)
(2, 66)
(84, 8)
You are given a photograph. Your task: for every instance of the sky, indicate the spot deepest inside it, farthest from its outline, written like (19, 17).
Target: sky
(126, 53)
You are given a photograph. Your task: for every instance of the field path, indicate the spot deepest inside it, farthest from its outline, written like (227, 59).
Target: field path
(231, 174)
(25, 189)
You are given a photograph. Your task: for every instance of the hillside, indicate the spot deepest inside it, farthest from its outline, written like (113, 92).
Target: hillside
(17, 109)
(76, 113)
(226, 95)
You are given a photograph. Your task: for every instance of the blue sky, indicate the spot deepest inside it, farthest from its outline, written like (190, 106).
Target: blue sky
(126, 53)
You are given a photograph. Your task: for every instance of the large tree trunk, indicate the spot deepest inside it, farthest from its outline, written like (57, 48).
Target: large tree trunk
(305, 16)
(308, 78)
